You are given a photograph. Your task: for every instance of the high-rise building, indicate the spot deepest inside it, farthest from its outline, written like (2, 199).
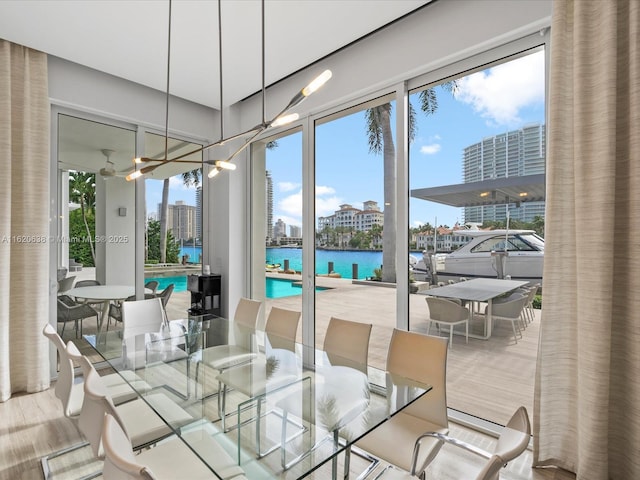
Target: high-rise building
(515, 153)
(295, 231)
(280, 229)
(269, 204)
(181, 220)
(199, 213)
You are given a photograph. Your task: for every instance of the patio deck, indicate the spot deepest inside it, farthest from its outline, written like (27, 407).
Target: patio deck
(485, 378)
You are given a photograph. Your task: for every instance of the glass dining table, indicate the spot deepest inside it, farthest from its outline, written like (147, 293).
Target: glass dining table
(288, 409)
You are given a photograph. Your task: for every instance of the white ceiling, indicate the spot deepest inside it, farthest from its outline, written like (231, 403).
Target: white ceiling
(128, 39)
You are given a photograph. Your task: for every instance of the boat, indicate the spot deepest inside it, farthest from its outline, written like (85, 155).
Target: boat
(272, 267)
(484, 256)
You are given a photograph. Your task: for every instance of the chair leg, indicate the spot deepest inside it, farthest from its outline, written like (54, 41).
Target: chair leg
(513, 325)
(466, 332)
(451, 336)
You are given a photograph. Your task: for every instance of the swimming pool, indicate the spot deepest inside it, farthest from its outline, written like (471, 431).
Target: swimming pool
(275, 287)
(179, 282)
(281, 287)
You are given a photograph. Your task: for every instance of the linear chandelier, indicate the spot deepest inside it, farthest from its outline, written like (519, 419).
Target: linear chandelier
(282, 118)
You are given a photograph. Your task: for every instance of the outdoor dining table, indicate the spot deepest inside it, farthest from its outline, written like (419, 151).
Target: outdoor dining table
(478, 290)
(296, 387)
(106, 294)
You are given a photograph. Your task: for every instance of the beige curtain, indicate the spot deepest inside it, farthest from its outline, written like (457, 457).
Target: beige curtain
(24, 219)
(587, 393)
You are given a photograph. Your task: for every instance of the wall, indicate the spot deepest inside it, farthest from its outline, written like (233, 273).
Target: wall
(82, 88)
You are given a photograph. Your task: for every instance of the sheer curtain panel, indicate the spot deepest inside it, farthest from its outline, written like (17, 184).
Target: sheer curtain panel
(24, 220)
(587, 393)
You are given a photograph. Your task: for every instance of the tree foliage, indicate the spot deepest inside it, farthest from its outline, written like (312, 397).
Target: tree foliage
(82, 190)
(153, 241)
(79, 243)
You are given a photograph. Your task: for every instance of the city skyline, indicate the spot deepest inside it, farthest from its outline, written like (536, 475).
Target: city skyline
(488, 103)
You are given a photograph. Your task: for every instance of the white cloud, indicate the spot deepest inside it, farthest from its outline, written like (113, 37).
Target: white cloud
(290, 207)
(176, 183)
(430, 149)
(324, 190)
(500, 92)
(292, 204)
(327, 206)
(287, 186)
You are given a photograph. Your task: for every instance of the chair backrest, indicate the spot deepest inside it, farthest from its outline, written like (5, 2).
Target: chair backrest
(247, 312)
(120, 463)
(62, 272)
(152, 285)
(283, 323)
(96, 403)
(349, 341)
(65, 380)
(445, 310)
(165, 294)
(87, 283)
(423, 358)
(66, 284)
(511, 307)
(512, 442)
(141, 316)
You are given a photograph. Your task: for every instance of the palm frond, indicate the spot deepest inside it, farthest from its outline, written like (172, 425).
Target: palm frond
(374, 126)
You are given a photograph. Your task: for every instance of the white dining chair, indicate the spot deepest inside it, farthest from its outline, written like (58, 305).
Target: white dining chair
(167, 461)
(422, 358)
(143, 425)
(513, 440)
(244, 348)
(256, 378)
(142, 316)
(345, 387)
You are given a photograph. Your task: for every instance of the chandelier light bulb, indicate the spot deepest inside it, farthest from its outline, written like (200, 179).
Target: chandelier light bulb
(316, 83)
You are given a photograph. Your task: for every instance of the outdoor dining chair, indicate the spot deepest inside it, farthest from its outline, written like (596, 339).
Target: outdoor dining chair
(445, 312)
(71, 311)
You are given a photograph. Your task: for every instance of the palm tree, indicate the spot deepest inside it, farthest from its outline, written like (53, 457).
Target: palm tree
(378, 124)
(191, 177)
(82, 190)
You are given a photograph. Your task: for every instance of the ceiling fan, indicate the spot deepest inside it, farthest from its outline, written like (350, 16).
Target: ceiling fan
(108, 170)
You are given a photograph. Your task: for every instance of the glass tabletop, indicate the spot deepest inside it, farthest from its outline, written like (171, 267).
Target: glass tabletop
(276, 407)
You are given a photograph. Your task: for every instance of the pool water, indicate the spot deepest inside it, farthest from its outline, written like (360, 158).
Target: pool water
(275, 288)
(180, 283)
(281, 287)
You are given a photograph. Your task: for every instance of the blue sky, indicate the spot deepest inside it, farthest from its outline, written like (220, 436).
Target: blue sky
(490, 102)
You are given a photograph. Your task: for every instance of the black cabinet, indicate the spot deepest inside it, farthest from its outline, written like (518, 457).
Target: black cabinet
(205, 294)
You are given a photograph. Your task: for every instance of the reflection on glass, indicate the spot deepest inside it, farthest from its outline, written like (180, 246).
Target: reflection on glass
(96, 229)
(173, 243)
(277, 215)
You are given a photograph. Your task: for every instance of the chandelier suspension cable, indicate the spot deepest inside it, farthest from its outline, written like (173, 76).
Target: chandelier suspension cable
(220, 67)
(166, 112)
(138, 173)
(264, 115)
(280, 119)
